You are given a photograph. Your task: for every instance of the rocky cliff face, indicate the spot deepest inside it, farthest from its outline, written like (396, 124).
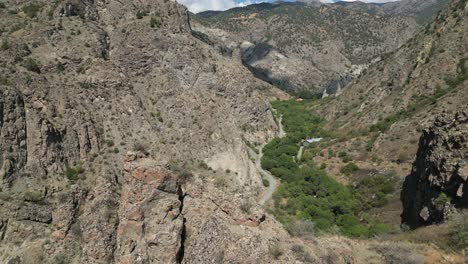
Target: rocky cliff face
(85, 82)
(438, 180)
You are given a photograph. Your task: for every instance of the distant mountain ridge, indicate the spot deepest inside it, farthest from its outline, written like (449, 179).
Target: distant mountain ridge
(315, 47)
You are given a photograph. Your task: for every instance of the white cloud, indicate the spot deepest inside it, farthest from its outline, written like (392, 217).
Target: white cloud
(203, 5)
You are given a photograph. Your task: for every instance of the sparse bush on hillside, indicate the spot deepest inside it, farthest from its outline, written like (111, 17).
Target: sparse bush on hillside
(31, 65)
(2, 6)
(349, 169)
(72, 173)
(155, 22)
(140, 14)
(138, 146)
(32, 9)
(181, 169)
(34, 196)
(275, 251)
(202, 36)
(459, 232)
(301, 228)
(302, 254)
(4, 81)
(265, 182)
(5, 45)
(441, 201)
(60, 67)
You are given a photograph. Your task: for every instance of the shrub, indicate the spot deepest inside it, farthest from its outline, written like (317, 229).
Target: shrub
(31, 10)
(155, 22)
(275, 251)
(181, 169)
(372, 191)
(301, 228)
(60, 67)
(246, 206)
(31, 65)
(4, 81)
(349, 169)
(202, 37)
(302, 254)
(138, 146)
(140, 14)
(2, 6)
(203, 165)
(265, 182)
(5, 45)
(110, 143)
(72, 174)
(220, 182)
(459, 232)
(34, 196)
(441, 201)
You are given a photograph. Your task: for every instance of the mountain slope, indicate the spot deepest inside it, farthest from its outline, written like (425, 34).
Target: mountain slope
(310, 46)
(404, 91)
(105, 108)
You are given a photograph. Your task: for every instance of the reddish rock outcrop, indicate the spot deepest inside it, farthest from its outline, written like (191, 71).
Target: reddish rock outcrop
(150, 221)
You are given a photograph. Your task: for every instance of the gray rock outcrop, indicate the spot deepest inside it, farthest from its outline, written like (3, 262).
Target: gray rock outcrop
(438, 181)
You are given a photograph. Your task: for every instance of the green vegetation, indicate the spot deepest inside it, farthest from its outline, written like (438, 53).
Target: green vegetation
(31, 65)
(181, 169)
(72, 173)
(419, 102)
(50, 12)
(158, 116)
(5, 45)
(2, 6)
(344, 156)
(202, 36)
(349, 169)
(32, 9)
(275, 251)
(302, 254)
(265, 182)
(301, 228)
(307, 193)
(4, 81)
(461, 76)
(372, 191)
(155, 22)
(138, 146)
(140, 14)
(459, 232)
(441, 201)
(34, 196)
(60, 67)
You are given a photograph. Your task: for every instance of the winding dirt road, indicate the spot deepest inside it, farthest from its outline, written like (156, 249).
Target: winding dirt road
(273, 183)
(266, 175)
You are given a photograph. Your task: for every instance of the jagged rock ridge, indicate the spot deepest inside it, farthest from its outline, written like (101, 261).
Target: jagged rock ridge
(439, 177)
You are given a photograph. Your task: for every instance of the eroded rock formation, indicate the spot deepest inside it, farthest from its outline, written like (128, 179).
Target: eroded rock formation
(438, 181)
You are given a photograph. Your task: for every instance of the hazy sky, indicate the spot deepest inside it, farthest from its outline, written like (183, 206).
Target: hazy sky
(203, 5)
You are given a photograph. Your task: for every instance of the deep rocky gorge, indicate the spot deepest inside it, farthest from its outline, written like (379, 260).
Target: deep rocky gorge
(124, 139)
